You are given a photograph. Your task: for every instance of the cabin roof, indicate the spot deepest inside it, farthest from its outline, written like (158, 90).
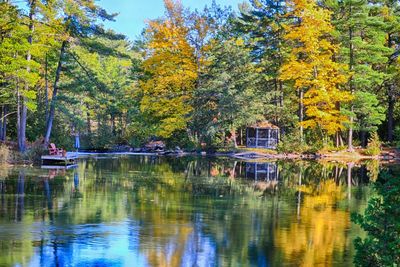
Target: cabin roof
(264, 125)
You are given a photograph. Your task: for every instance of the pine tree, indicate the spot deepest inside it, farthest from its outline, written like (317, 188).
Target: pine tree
(231, 95)
(390, 11)
(74, 20)
(262, 24)
(19, 72)
(369, 113)
(363, 49)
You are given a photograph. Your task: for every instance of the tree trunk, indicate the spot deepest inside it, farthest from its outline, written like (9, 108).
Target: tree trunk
(3, 132)
(241, 136)
(337, 139)
(233, 136)
(50, 119)
(281, 94)
(341, 139)
(23, 110)
(1, 123)
(46, 93)
(301, 113)
(113, 125)
(351, 87)
(390, 119)
(363, 137)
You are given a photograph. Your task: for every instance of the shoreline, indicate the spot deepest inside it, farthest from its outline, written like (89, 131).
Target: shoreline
(254, 155)
(247, 155)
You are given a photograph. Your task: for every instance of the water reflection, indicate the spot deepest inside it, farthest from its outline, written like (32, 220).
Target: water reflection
(153, 211)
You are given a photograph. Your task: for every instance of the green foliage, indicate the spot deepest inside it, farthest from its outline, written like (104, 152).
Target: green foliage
(229, 96)
(397, 135)
(380, 220)
(182, 140)
(35, 152)
(290, 143)
(374, 145)
(369, 113)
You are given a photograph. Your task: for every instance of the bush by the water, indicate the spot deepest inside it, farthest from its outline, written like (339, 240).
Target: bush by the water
(290, 143)
(374, 145)
(4, 153)
(35, 152)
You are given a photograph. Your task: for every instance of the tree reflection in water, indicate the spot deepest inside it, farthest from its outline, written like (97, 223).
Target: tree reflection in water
(154, 211)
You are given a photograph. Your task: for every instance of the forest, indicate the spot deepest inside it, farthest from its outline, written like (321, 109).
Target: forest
(327, 73)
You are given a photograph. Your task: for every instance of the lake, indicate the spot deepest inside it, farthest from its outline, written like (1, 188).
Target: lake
(188, 211)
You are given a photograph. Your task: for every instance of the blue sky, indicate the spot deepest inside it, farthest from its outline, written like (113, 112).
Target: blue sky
(134, 13)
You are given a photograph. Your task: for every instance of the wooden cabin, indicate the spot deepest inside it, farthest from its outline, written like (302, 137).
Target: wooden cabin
(262, 135)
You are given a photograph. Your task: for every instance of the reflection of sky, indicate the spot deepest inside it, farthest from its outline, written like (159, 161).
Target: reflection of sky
(91, 245)
(114, 244)
(200, 251)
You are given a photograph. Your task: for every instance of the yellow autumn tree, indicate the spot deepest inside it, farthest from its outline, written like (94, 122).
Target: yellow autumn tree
(311, 67)
(171, 67)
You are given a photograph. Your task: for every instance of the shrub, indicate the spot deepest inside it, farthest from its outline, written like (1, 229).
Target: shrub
(374, 145)
(182, 140)
(35, 152)
(290, 143)
(4, 153)
(397, 135)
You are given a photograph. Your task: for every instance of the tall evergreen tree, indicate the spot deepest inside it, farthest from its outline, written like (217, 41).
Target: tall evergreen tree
(74, 20)
(262, 23)
(230, 96)
(362, 39)
(390, 11)
(19, 72)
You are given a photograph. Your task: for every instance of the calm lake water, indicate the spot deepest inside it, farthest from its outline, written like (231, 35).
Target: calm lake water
(158, 211)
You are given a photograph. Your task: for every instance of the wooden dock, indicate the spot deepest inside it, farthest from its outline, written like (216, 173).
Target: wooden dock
(68, 159)
(58, 167)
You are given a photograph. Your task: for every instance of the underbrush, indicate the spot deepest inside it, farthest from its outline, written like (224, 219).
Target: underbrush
(290, 143)
(4, 153)
(35, 151)
(374, 146)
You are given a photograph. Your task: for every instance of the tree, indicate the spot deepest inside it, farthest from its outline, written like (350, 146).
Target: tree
(74, 20)
(18, 70)
(368, 112)
(171, 72)
(363, 49)
(262, 23)
(23, 95)
(311, 67)
(230, 95)
(380, 220)
(97, 90)
(390, 12)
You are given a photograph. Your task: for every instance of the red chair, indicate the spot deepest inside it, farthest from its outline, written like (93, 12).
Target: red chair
(54, 151)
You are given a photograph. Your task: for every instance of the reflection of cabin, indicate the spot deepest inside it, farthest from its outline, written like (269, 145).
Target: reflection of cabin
(262, 135)
(262, 171)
